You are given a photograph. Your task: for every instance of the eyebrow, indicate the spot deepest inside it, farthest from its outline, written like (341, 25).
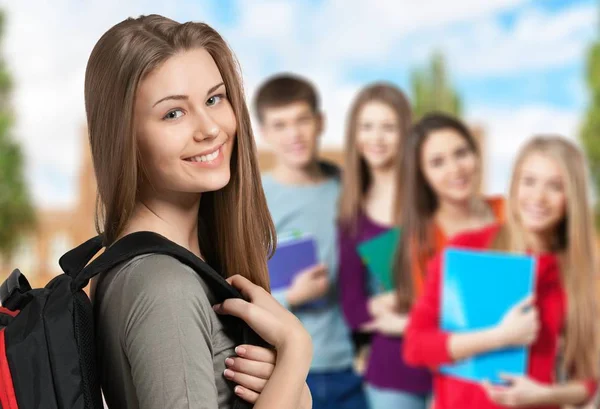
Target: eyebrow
(185, 97)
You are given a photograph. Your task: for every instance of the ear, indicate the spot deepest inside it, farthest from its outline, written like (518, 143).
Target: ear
(321, 121)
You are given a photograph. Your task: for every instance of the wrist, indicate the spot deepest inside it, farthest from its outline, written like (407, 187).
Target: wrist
(546, 396)
(291, 297)
(497, 338)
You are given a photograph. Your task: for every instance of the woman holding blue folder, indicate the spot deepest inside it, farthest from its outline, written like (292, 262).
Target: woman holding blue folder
(440, 176)
(548, 217)
(379, 120)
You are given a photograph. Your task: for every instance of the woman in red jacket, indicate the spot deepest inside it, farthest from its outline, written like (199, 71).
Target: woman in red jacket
(548, 215)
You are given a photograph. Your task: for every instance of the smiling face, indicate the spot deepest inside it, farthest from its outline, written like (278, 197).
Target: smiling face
(185, 125)
(541, 200)
(293, 132)
(378, 135)
(449, 165)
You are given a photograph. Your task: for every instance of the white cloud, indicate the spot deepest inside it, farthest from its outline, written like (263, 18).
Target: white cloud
(506, 130)
(538, 40)
(47, 46)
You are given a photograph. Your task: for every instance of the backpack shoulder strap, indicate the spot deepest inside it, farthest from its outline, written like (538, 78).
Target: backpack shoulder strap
(130, 246)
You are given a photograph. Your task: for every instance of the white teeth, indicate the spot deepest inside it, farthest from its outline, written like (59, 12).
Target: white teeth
(206, 158)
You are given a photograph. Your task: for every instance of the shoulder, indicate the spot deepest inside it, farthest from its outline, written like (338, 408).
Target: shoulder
(268, 181)
(158, 277)
(476, 239)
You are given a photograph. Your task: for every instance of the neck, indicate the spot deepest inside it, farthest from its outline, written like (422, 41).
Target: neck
(383, 179)
(175, 218)
(449, 210)
(310, 174)
(538, 242)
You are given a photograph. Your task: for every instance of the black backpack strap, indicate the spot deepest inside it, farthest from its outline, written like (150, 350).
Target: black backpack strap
(76, 259)
(136, 244)
(15, 291)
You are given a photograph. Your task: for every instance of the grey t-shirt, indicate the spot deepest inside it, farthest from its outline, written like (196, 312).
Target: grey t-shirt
(160, 344)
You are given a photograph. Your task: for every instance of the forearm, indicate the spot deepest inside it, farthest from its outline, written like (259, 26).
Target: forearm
(570, 393)
(466, 345)
(286, 387)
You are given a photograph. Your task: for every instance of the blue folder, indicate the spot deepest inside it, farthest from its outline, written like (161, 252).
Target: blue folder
(293, 254)
(478, 289)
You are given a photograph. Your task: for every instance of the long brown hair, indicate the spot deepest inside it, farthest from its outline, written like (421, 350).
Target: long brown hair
(236, 233)
(419, 204)
(356, 177)
(574, 242)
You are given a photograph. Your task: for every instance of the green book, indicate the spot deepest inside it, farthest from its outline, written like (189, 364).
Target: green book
(378, 253)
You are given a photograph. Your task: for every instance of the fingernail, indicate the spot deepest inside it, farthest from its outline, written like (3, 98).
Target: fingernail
(228, 374)
(229, 362)
(240, 351)
(238, 390)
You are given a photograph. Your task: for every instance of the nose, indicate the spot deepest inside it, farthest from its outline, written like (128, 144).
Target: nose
(293, 133)
(206, 127)
(538, 194)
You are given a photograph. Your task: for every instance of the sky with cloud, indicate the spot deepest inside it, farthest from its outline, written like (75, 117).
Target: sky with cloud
(518, 65)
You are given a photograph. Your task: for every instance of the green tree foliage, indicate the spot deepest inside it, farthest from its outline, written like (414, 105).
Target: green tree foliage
(16, 212)
(590, 132)
(432, 90)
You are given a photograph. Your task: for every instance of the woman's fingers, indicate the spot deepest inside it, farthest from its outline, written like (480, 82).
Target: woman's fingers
(257, 353)
(246, 394)
(247, 381)
(258, 369)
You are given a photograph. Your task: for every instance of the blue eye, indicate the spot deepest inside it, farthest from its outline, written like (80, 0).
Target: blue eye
(174, 114)
(214, 100)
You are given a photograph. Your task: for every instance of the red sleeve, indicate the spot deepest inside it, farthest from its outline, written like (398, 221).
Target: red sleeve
(425, 344)
(592, 388)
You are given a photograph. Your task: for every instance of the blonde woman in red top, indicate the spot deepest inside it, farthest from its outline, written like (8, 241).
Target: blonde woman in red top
(548, 216)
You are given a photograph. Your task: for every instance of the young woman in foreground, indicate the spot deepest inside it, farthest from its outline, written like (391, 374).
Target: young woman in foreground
(174, 154)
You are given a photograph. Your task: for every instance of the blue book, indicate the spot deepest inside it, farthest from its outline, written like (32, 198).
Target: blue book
(478, 289)
(292, 255)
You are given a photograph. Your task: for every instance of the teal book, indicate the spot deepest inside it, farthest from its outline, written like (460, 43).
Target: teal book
(377, 254)
(478, 289)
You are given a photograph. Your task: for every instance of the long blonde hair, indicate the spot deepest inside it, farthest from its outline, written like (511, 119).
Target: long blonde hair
(356, 178)
(236, 232)
(575, 243)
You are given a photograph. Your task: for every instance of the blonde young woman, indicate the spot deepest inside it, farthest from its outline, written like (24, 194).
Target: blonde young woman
(548, 216)
(174, 155)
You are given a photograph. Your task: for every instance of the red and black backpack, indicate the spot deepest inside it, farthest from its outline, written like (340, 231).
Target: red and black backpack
(47, 352)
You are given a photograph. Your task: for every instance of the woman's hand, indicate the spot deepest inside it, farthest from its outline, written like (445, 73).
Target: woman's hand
(389, 323)
(521, 392)
(250, 370)
(269, 319)
(282, 383)
(382, 303)
(520, 325)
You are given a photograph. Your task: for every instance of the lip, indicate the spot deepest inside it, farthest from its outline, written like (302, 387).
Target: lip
(539, 213)
(204, 153)
(215, 163)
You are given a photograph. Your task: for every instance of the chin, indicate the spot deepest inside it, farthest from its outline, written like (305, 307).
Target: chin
(539, 227)
(300, 161)
(214, 182)
(379, 163)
